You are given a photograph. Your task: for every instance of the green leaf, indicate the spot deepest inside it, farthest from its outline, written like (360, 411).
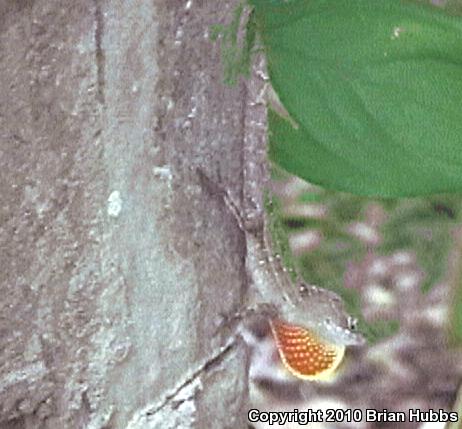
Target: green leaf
(376, 90)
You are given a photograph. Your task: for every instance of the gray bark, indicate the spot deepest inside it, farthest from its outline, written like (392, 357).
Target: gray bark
(117, 267)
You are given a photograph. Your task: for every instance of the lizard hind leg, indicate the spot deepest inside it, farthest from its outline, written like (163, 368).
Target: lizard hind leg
(250, 319)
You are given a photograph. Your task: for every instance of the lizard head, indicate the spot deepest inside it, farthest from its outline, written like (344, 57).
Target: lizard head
(312, 342)
(323, 312)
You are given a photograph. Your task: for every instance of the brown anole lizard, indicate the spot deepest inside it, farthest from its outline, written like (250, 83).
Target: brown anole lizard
(309, 324)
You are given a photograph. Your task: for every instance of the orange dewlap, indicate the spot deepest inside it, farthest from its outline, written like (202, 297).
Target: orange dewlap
(304, 354)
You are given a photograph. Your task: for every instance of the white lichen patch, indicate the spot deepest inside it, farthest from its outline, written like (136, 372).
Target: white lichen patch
(114, 204)
(163, 172)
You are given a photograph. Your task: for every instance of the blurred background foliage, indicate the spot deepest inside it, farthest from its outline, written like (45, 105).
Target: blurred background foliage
(330, 230)
(397, 263)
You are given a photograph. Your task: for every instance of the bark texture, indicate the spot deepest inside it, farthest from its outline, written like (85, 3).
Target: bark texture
(117, 267)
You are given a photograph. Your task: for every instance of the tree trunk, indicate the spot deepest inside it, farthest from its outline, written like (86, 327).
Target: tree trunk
(118, 268)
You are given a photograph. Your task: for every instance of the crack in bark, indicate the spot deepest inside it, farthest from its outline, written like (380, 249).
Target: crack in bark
(210, 362)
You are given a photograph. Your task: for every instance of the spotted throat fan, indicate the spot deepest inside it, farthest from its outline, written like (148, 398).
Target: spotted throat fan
(304, 354)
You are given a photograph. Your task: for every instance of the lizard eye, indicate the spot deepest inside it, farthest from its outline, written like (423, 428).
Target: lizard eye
(352, 323)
